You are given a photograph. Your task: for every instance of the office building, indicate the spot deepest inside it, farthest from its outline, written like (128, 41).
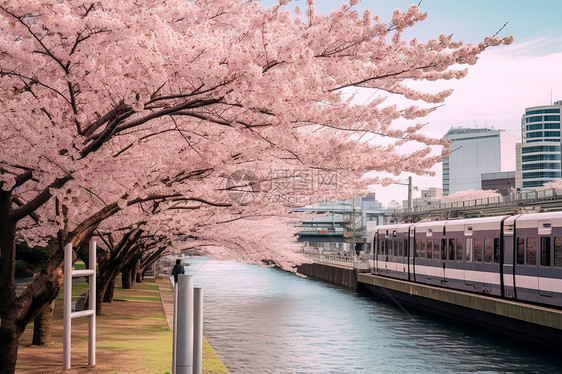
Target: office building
(538, 154)
(475, 151)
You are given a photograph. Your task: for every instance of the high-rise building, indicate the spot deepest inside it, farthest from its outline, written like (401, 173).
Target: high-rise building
(538, 154)
(475, 151)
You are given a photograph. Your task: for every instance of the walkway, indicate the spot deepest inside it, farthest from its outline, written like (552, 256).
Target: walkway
(167, 296)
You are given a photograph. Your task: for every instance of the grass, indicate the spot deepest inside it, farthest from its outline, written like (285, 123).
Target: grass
(132, 336)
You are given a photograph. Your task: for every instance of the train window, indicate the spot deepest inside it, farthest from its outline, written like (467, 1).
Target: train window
(468, 250)
(422, 249)
(520, 251)
(395, 246)
(460, 249)
(400, 248)
(443, 248)
(429, 248)
(418, 247)
(386, 246)
(381, 246)
(558, 251)
(545, 251)
(532, 251)
(406, 249)
(496, 250)
(436, 249)
(452, 249)
(478, 249)
(488, 249)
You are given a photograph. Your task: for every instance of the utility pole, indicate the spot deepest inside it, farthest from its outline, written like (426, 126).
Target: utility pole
(410, 192)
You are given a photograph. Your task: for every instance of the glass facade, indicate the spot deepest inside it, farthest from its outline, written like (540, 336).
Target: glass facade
(539, 161)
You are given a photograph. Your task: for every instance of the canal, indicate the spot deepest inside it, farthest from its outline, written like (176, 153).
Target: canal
(263, 320)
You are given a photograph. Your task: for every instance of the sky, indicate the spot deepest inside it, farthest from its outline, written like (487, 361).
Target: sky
(504, 81)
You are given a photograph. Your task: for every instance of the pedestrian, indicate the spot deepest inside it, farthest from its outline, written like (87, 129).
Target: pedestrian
(177, 270)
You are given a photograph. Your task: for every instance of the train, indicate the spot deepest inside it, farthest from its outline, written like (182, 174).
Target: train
(517, 257)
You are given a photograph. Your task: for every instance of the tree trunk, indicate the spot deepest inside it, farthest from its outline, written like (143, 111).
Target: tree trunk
(110, 292)
(137, 271)
(10, 329)
(42, 326)
(126, 278)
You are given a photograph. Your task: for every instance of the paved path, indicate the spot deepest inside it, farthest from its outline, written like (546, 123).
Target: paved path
(167, 296)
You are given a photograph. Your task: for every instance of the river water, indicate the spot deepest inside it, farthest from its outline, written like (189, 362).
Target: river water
(263, 320)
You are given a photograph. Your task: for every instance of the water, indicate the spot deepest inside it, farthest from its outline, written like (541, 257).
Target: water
(263, 320)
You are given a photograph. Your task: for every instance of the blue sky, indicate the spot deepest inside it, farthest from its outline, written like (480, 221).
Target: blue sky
(506, 79)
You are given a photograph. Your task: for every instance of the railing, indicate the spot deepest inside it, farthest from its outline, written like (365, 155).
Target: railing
(359, 263)
(513, 200)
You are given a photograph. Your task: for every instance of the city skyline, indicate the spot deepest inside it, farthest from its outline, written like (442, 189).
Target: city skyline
(504, 81)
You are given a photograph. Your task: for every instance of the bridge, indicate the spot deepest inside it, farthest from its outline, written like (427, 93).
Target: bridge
(516, 203)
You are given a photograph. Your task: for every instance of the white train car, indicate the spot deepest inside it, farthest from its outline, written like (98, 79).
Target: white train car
(517, 257)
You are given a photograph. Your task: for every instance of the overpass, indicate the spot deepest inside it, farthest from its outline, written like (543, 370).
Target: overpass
(516, 203)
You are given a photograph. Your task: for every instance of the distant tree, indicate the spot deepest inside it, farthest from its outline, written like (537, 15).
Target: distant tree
(469, 195)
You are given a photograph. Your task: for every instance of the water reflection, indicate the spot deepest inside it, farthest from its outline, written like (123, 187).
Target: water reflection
(262, 320)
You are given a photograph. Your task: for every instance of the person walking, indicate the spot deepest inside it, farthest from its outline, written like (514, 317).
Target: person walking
(177, 270)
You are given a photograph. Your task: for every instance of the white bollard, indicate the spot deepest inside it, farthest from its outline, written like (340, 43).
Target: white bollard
(175, 327)
(92, 305)
(67, 306)
(184, 335)
(197, 330)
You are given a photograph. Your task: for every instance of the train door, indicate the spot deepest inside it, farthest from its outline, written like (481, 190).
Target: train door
(508, 257)
(544, 260)
(411, 255)
(464, 258)
(375, 252)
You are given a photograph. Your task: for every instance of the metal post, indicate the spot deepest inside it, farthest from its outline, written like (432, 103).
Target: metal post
(90, 312)
(184, 349)
(410, 192)
(67, 306)
(197, 330)
(92, 305)
(175, 328)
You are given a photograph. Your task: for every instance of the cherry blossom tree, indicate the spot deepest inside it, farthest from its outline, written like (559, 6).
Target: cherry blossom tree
(469, 195)
(554, 185)
(98, 98)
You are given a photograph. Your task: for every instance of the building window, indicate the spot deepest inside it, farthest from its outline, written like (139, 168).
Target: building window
(552, 134)
(542, 111)
(536, 134)
(534, 119)
(552, 118)
(541, 148)
(537, 126)
(529, 184)
(542, 174)
(531, 158)
(551, 126)
(542, 165)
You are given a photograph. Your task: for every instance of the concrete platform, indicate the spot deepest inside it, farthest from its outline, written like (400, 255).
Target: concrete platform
(524, 321)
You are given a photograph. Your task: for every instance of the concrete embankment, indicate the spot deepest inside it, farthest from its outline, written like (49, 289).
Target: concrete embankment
(337, 275)
(528, 322)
